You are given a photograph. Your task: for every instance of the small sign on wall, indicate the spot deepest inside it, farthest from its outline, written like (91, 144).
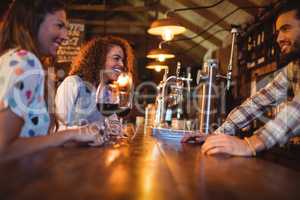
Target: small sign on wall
(70, 48)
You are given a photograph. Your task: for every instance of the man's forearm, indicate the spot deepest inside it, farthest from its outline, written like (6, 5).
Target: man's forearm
(257, 143)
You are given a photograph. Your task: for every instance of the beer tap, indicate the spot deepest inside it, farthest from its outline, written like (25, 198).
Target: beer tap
(234, 32)
(162, 94)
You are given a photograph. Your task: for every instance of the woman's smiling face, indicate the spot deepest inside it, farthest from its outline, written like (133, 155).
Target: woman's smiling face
(52, 32)
(114, 63)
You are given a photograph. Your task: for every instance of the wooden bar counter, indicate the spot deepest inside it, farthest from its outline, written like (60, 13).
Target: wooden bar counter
(144, 168)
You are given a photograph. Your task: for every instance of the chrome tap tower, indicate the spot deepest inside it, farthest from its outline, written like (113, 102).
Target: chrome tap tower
(161, 97)
(206, 94)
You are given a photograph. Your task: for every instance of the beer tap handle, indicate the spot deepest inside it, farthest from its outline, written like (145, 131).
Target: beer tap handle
(234, 32)
(189, 78)
(200, 77)
(166, 74)
(178, 69)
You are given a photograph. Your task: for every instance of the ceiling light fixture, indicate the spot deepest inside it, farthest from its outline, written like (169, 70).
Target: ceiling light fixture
(167, 28)
(157, 66)
(160, 54)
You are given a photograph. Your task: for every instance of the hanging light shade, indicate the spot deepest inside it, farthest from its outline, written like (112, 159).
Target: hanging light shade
(160, 54)
(167, 28)
(157, 66)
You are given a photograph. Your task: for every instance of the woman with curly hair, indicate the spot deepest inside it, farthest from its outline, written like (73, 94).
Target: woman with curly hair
(76, 96)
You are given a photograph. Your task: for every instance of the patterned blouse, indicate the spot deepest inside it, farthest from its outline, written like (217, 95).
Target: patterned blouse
(285, 124)
(22, 91)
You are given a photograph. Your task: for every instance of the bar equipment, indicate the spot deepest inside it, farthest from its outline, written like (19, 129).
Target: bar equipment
(176, 87)
(207, 92)
(206, 79)
(207, 88)
(234, 32)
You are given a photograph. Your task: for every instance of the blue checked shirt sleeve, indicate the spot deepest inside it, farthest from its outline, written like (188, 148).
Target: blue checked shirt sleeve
(253, 107)
(279, 129)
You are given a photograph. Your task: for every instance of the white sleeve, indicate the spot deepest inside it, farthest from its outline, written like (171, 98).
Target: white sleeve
(21, 83)
(65, 99)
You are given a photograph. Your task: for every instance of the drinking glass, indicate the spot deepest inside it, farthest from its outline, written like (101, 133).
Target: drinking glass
(125, 93)
(115, 98)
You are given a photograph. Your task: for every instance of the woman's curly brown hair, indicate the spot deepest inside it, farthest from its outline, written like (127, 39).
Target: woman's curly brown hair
(92, 56)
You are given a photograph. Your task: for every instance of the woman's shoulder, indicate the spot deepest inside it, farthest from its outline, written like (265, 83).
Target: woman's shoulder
(22, 80)
(70, 83)
(72, 79)
(21, 58)
(19, 66)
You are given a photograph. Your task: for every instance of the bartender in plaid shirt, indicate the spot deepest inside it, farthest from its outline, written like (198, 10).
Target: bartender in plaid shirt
(287, 120)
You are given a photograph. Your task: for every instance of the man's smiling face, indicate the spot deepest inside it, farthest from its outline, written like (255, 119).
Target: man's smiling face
(288, 29)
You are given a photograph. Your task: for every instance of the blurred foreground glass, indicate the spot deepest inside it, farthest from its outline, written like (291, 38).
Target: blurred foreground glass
(125, 93)
(115, 98)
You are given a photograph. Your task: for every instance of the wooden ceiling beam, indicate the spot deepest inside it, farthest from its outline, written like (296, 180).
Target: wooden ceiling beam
(190, 59)
(197, 53)
(204, 13)
(110, 23)
(116, 30)
(191, 26)
(103, 8)
(245, 3)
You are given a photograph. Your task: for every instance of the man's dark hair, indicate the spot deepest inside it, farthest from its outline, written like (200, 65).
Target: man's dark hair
(290, 5)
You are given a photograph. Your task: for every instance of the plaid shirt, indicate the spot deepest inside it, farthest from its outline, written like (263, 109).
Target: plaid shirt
(286, 122)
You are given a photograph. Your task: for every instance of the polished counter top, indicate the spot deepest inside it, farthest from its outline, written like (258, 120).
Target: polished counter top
(144, 168)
